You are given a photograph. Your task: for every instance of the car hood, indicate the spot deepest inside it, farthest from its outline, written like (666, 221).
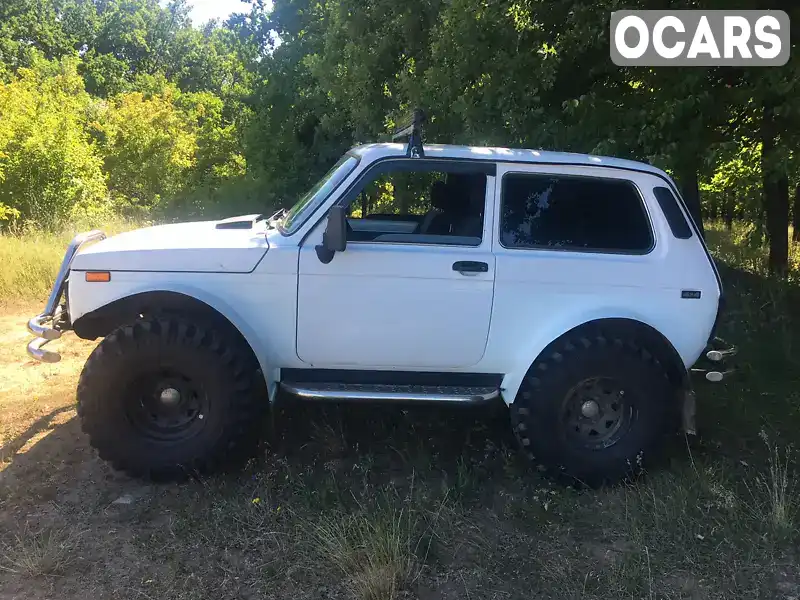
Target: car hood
(198, 247)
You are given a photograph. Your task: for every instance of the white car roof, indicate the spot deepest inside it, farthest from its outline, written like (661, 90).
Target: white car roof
(375, 151)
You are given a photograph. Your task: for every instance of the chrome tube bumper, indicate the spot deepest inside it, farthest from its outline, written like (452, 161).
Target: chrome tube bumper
(49, 325)
(36, 351)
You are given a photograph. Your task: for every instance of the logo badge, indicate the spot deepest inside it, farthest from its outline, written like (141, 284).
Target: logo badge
(700, 38)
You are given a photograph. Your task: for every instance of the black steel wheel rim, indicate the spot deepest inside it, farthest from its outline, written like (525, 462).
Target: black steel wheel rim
(166, 405)
(597, 413)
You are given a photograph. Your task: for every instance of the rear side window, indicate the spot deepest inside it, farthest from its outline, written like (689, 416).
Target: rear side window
(573, 213)
(672, 212)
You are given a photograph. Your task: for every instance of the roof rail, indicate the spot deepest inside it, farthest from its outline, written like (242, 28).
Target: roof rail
(413, 131)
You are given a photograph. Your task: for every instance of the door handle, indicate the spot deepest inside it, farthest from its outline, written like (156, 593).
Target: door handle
(470, 266)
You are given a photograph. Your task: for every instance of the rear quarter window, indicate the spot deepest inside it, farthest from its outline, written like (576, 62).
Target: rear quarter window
(672, 213)
(582, 214)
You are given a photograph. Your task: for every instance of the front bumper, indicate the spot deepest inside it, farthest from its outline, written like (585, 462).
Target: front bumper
(46, 328)
(48, 325)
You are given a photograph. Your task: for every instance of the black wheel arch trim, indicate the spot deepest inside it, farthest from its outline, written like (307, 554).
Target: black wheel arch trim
(102, 321)
(648, 338)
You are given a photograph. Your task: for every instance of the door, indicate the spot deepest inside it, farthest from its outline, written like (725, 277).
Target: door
(414, 287)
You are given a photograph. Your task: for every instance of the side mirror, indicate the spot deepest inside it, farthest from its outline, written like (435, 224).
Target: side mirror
(335, 237)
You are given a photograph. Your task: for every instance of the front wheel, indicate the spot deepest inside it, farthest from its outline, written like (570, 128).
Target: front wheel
(593, 408)
(165, 397)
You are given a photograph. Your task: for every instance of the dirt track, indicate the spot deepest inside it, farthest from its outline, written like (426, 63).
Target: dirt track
(369, 502)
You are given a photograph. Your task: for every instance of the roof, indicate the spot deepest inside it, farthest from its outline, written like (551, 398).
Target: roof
(375, 151)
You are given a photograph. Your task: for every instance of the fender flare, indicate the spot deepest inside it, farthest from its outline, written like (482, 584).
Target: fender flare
(560, 326)
(212, 301)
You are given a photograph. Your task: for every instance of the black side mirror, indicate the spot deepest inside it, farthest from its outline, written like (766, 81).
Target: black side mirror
(335, 237)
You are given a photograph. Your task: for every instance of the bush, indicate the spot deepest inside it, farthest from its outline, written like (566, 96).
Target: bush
(49, 166)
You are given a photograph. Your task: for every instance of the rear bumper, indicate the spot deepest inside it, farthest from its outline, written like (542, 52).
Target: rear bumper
(717, 362)
(48, 325)
(713, 366)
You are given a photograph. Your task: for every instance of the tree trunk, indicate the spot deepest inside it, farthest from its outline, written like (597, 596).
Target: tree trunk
(796, 215)
(728, 212)
(775, 194)
(691, 194)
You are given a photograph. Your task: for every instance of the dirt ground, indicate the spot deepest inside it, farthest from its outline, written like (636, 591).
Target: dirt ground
(374, 503)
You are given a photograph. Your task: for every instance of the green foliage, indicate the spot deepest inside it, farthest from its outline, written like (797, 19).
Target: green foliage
(149, 148)
(116, 105)
(7, 213)
(49, 167)
(188, 121)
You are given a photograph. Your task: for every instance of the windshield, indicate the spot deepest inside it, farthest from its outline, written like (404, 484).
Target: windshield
(315, 196)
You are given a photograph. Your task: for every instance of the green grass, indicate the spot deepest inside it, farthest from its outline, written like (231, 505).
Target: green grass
(388, 502)
(740, 248)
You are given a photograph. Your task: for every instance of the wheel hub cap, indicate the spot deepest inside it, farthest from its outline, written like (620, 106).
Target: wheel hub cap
(170, 396)
(166, 405)
(590, 409)
(596, 412)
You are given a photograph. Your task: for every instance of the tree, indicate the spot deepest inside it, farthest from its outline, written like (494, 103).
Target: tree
(149, 148)
(49, 166)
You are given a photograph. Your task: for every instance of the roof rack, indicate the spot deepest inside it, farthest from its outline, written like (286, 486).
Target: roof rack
(413, 131)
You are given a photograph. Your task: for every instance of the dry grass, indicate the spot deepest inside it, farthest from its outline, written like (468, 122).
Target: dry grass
(31, 259)
(36, 553)
(34, 397)
(394, 502)
(772, 489)
(377, 550)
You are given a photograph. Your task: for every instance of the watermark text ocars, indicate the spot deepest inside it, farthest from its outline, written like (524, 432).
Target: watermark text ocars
(700, 37)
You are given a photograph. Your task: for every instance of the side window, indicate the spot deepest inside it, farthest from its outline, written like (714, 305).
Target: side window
(573, 213)
(419, 207)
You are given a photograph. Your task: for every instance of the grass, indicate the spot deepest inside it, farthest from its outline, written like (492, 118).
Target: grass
(376, 551)
(388, 502)
(740, 247)
(37, 553)
(775, 488)
(31, 259)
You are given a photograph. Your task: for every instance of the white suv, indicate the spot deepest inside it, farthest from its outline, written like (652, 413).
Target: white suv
(575, 288)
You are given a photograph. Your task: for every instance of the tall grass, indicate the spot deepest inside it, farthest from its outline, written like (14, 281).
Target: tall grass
(29, 259)
(375, 552)
(742, 247)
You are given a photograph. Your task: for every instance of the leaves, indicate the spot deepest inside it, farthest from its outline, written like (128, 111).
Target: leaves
(115, 105)
(193, 120)
(48, 162)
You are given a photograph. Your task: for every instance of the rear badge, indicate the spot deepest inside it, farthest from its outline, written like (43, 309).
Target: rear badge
(691, 294)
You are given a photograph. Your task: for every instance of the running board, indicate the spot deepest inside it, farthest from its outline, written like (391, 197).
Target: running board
(392, 393)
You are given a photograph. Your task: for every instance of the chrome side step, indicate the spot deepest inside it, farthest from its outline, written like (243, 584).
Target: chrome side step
(392, 393)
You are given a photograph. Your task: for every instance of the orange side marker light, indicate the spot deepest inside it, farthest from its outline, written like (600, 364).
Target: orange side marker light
(98, 276)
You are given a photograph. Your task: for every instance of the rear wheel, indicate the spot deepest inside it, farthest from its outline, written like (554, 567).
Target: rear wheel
(593, 408)
(165, 397)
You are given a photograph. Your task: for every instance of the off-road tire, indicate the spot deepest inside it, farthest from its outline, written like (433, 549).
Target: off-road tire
(537, 413)
(232, 403)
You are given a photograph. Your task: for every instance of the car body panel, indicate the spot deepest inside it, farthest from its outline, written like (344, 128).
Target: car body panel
(197, 247)
(401, 306)
(394, 304)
